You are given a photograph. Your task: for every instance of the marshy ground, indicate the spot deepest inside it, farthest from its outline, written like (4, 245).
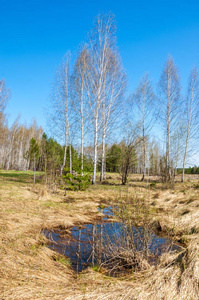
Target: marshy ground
(30, 270)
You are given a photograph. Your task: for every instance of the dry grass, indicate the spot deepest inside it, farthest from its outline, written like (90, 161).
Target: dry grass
(29, 270)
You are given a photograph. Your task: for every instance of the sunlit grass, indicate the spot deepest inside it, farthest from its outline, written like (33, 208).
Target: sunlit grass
(21, 176)
(27, 264)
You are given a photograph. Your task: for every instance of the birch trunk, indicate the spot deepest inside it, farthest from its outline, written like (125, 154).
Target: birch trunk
(168, 160)
(102, 175)
(34, 167)
(65, 148)
(95, 151)
(70, 150)
(143, 137)
(82, 128)
(192, 110)
(80, 100)
(103, 171)
(144, 112)
(169, 109)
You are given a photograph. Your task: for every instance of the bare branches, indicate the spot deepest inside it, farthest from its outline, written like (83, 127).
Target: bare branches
(191, 121)
(4, 95)
(80, 97)
(169, 104)
(59, 117)
(103, 80)
(143, 106)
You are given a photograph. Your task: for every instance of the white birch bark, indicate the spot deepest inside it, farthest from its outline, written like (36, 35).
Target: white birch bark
(192, 112)
(143, 113)
(59, 117)
(169, 107)
(80, 99)
(99, 42)
(106, 83)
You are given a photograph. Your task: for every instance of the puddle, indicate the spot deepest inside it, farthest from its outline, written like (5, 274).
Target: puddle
(104, 243)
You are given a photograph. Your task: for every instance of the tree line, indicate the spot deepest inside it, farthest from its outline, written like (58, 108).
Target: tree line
(90, 105)
(151, 130)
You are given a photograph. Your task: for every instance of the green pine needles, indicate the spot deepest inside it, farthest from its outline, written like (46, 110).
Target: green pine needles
(76, 182)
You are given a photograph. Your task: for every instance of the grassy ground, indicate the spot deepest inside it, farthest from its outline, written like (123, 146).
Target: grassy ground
(29, 270)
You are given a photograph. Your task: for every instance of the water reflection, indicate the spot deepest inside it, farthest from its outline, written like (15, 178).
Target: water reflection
(105, 242)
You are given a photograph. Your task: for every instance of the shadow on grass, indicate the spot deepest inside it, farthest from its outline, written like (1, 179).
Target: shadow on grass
(22, 176)
(135, 183)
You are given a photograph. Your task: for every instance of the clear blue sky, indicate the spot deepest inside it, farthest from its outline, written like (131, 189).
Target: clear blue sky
(35, 35)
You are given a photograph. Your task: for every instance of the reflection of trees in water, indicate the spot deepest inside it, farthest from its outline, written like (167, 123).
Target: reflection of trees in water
(115, 246)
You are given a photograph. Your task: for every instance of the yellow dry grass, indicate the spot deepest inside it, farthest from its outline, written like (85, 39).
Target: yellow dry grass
(29, 270)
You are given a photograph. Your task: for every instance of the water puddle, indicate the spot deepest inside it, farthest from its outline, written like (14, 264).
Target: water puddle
(112, 245)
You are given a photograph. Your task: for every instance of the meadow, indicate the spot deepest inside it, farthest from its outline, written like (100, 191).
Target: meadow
(30, 270)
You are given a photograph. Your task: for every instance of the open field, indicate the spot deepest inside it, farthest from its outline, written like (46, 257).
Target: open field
(29, 270)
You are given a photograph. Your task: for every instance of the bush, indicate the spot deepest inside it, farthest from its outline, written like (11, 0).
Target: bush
(77, 182)
(128, 246)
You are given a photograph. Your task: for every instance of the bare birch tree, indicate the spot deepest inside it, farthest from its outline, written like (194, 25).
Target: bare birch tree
(177, 146)
(128, 151)
(80, 104)
(113, 91)
(13, 132)
(4, 95)
(59, 117)
(104, 89)
(143, 106)
(100, 40)
(169, 103)
(154, 157)
(191, 120)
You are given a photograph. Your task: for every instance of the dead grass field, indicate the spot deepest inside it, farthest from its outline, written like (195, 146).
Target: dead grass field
(29, 270)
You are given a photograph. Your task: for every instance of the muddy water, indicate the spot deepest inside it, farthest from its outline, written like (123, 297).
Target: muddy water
(93, 244)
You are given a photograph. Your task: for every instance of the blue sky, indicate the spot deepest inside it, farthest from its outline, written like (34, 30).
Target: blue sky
(35, 35)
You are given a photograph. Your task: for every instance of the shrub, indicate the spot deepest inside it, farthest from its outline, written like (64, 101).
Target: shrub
(76, 181)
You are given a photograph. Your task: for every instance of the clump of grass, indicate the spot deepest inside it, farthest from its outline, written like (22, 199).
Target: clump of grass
(168, 185)
(62, 259)
(183, 240)
(153, 184)
(191, 199)
(131, 248)
(96, 268)
(102, 206)
(193, 230)
(156, 196)
(153, 203)
(185, 211)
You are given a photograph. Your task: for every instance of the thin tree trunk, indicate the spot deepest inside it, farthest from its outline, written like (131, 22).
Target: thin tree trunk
(95, 151)
(34, 167)
(168, 160)
(144, 151)
(79, 250)
(81, 68)
(82, 133)
(82, 151)
(102, 175)
(187, 135)
(70, 151)
(45, 170)
(93, 246)
(65, 148)
(143, 135)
